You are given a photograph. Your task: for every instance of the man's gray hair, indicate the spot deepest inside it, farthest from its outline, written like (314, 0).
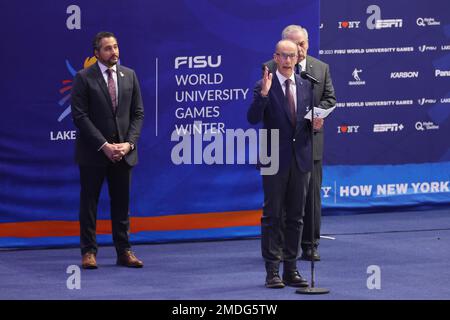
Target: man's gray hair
(293, 28)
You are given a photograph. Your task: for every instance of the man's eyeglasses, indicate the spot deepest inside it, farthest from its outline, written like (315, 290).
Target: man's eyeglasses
(285, 55)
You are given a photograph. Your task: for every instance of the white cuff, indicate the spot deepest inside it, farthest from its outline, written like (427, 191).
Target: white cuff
(102, 146)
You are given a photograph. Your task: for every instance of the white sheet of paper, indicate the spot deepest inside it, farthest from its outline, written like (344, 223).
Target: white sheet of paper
(319, 113)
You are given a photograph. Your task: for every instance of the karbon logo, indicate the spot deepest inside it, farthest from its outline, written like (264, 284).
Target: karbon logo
(198, 62)
(404, 75)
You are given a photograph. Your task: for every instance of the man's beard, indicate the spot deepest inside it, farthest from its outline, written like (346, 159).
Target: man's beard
(112, 61)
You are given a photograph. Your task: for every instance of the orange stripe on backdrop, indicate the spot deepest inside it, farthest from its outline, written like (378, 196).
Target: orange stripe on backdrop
(163, 223)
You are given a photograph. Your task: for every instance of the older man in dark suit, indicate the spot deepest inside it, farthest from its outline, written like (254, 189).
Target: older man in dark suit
(324, 97)
(108, 112)
(280, 101)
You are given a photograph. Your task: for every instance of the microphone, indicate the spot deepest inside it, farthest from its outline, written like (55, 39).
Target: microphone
(307, 76)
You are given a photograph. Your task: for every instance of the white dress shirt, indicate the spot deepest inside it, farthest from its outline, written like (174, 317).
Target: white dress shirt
(104, 69)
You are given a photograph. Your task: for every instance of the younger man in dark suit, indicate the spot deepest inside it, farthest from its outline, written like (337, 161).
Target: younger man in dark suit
(107, 109)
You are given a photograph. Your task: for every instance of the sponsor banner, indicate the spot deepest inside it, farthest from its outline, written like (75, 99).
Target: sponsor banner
(390, 65)
(368, 187)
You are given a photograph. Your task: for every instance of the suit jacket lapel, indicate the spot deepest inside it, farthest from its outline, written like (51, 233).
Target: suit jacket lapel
(308, 65)
(120, 79)
(300, 91)
(310, 70)
(103, 86)
(303, 99)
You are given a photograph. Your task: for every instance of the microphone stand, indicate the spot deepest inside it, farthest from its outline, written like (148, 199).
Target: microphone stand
(312, 289)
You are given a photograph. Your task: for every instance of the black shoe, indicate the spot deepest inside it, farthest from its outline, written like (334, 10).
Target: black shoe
(294, 279)
(309, 254)
(273, 280)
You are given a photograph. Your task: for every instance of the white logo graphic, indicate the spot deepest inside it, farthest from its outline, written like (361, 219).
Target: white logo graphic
(389, 23)
(386, 127)
(358, 81)
(441, 73)
(326, 192)
(426, 125)
(424, 22)
(374, 279)
(198, 62)
(404, 75)
(355, 74)
(374, 21)
(424, 101)
(424, 48)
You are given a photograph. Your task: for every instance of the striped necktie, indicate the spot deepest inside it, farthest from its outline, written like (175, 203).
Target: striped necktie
(291, 102)
(112, 90)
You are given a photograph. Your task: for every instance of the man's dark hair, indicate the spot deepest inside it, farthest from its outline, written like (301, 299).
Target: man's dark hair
(98, 38)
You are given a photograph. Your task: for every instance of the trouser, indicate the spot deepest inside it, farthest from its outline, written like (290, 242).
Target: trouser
(282, 219)
(118, 176)
(314, 186)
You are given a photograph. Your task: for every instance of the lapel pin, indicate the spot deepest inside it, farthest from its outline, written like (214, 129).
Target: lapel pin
(121, 74)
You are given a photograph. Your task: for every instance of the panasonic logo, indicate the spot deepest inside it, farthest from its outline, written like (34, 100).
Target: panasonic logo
(441, 73)
(404, 75)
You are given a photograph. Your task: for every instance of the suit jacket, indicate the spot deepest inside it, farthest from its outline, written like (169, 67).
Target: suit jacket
(94, 117)
(273, 111)
(324, 96)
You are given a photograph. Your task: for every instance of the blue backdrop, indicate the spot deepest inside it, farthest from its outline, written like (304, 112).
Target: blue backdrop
(386, 142)
(48, 42)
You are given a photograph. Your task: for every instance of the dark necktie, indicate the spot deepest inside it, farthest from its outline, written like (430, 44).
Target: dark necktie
(112, 90)
(291, 102)
(298, 68)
